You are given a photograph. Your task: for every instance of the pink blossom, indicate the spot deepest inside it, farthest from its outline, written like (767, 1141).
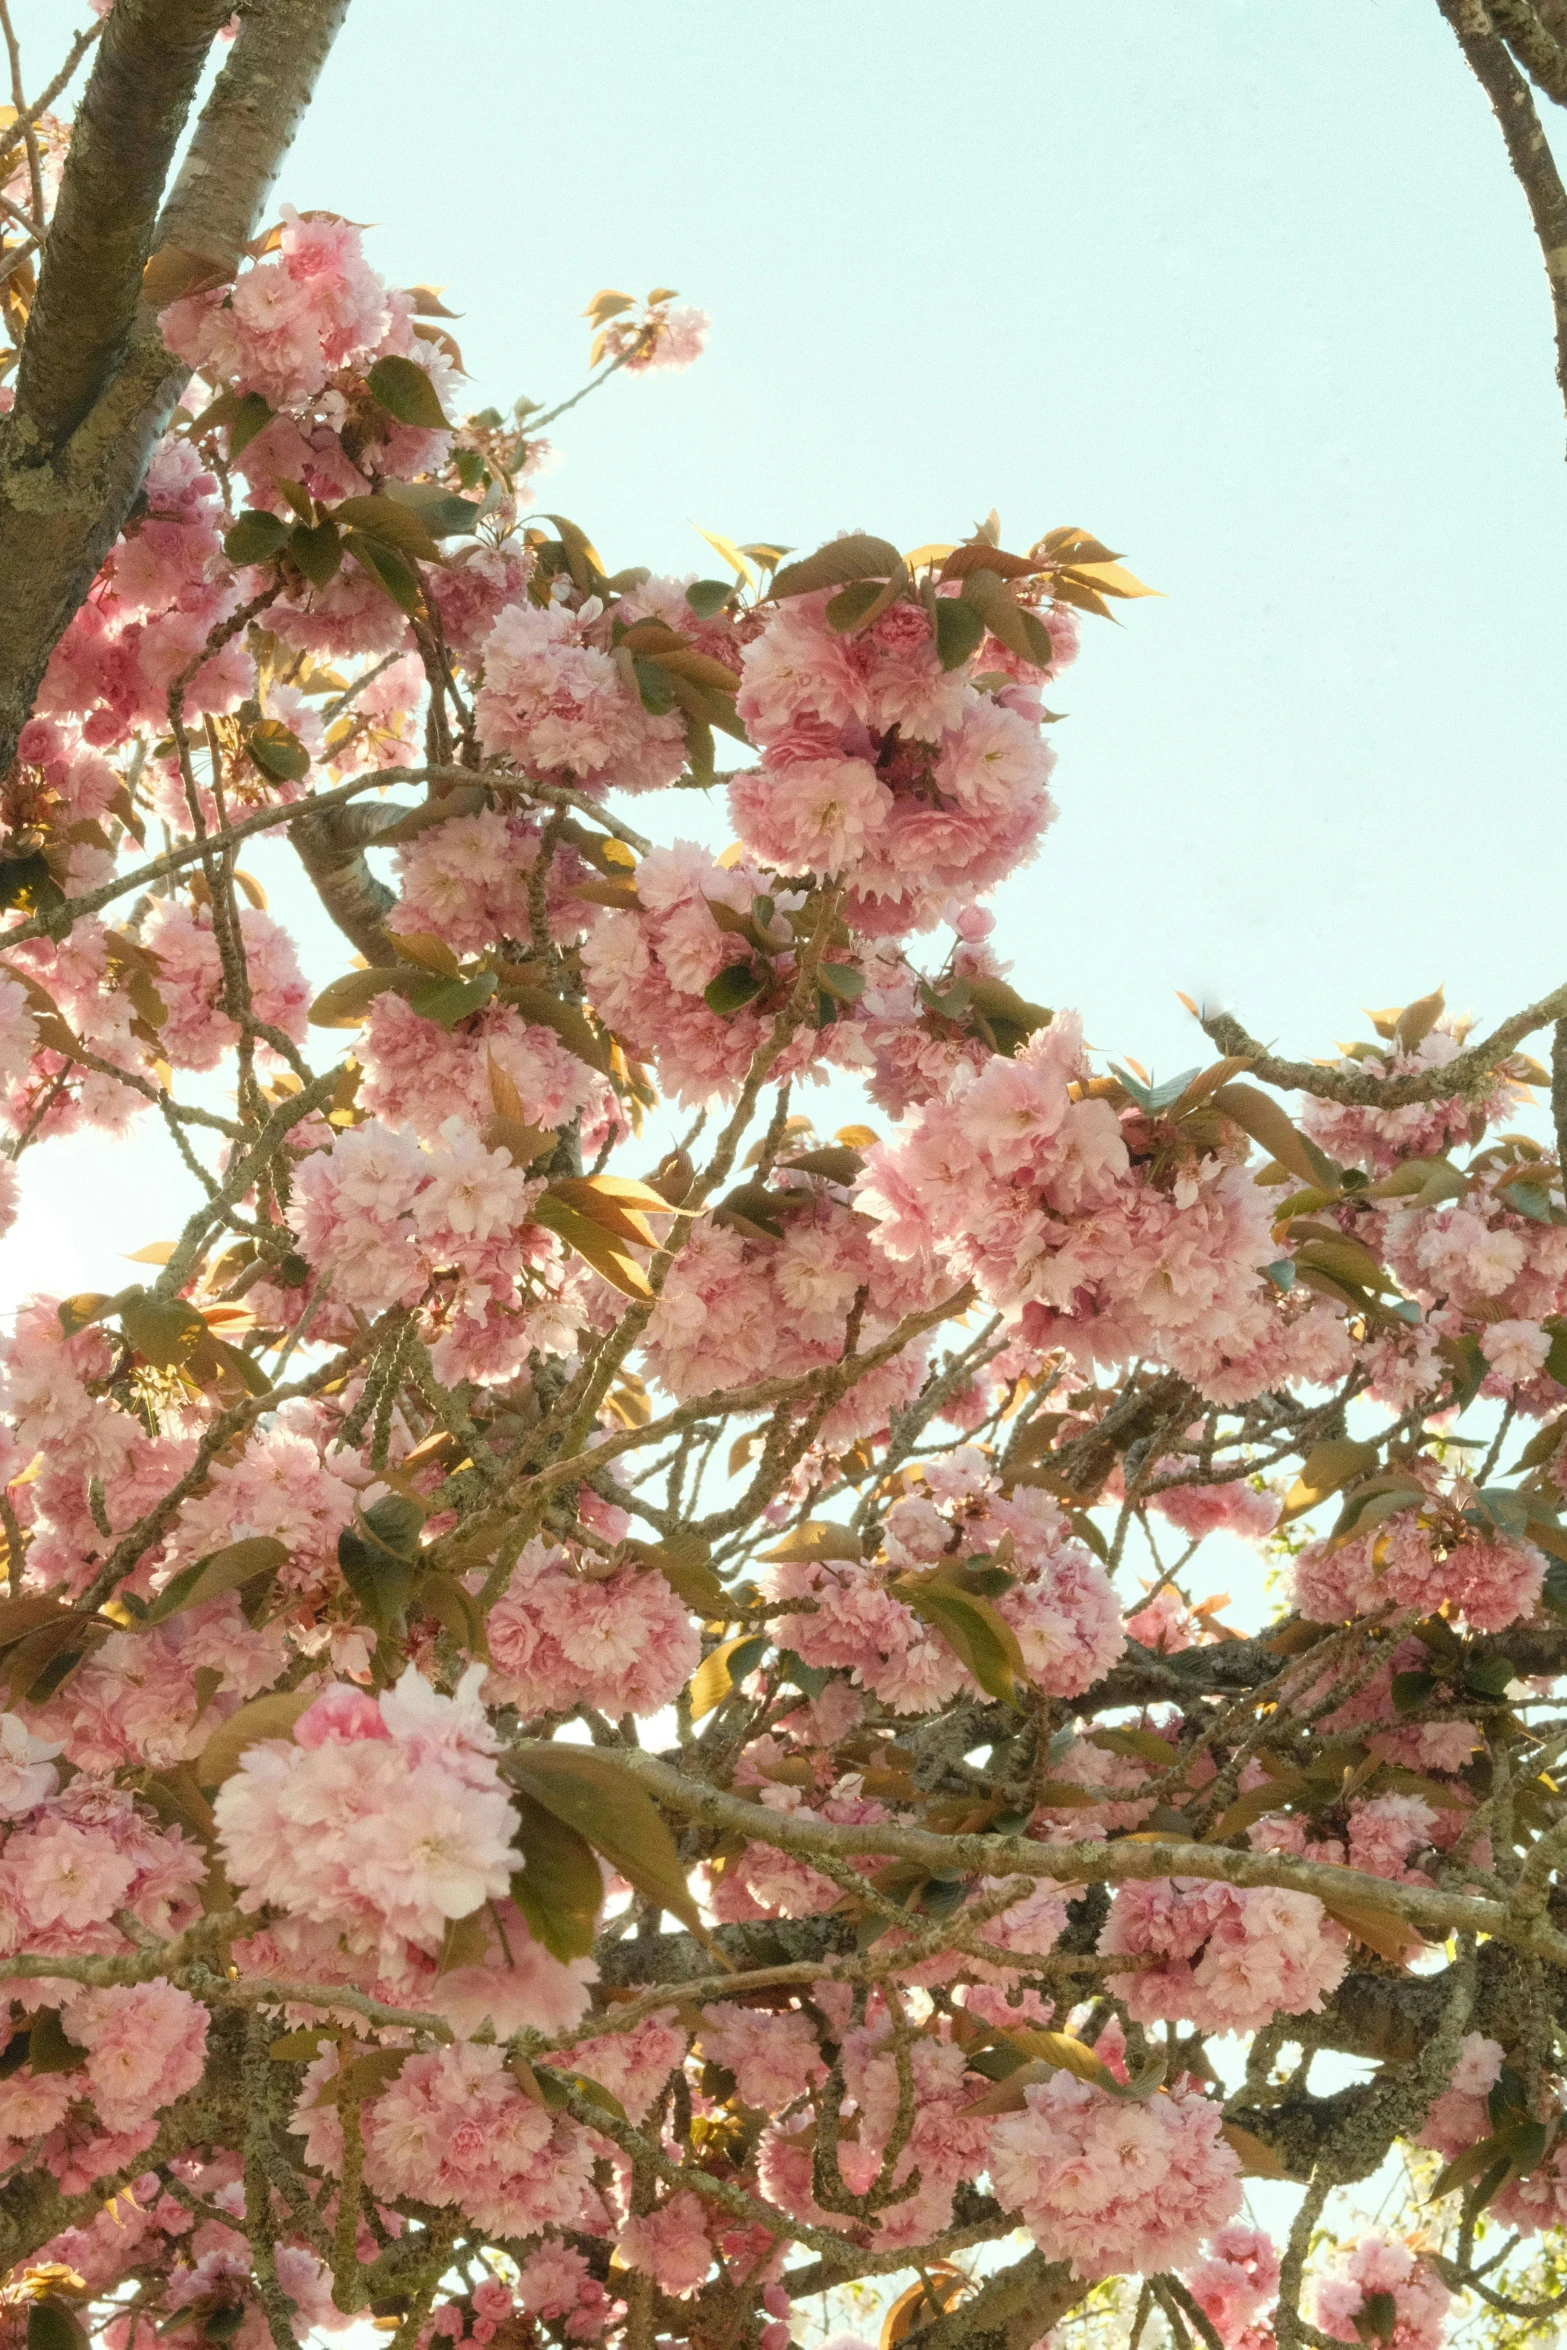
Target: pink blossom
(1111, 2186)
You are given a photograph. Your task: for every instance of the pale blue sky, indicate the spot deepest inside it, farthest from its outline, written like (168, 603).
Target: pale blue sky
(1246, 287)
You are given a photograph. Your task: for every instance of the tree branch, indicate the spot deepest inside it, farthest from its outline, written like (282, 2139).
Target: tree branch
(69, 471)
(1528, 149)
(132, 113)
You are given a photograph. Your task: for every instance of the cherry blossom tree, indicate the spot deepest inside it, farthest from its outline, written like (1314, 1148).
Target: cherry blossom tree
(608, 1732)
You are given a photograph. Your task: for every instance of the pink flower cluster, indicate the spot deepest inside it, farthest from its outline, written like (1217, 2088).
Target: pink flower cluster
(557, 706)
(878, 765)
(647, 970)
(1488, 1578)
(388, 1813)
(454, 2129)
(1113, 2186)
(1031, 1192)
(289, 324)
(1060, 1603)
(1382, 2265)
(380, 1214)
(1234, 2284)
(1229, 1958)
(741, 1307)
(560, 1637)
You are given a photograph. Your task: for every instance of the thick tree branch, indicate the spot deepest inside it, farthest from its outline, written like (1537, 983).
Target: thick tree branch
(132, 113)
(1528, 150)
(69, 472)
(331, 849)
(1536, 47)
(248, 124)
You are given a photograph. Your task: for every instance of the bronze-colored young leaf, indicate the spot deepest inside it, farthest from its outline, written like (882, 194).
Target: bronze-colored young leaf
(978, 1635)
(603, 1251)
(1326, 1467)
(720, 1672)
(272, 1716)
(1266, 1121)
(1257, 2158)
(818, 1538)
(1381, 1930)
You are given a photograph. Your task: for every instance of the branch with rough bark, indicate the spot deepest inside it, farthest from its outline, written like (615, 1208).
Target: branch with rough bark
(96, 386)
(1479, 27)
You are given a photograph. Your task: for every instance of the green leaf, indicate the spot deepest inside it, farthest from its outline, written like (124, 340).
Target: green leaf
(1507, 1510)
(391, 524)
(378, 1558)
(1488, 1677)
(446, 1001)
(960, 631)
(277, 750)
(386, 568)
(1554, 1593)
(251, 416)
(843, 981)
(1464, 2167)
(707, 596)
(406, 392)
(602, 1802)
(1411, 1690)
(1376, 2317)
(737, 985)
(318, 551)
(366, 2077)
(52, 2324)
(256, 537)
(229, 1569)
(685, 1562)
(655, 686)
(272, 1716)
(1556, 1360)
(856, 557)
(560, 1886)
(443, 514)
(983, 1640)
(48, 2049)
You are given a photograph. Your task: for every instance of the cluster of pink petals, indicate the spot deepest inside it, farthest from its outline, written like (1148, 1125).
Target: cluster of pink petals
(290, 323)
(1114, 2186)
(559, 708)
(1032, 1194)
(646, 973)
(389, 1813)
(454, 2129)
(737, 1308)
(1358, 1136)
(1235, 2282)
(774, 2055)
(1060, 1604)
(1489, 1579)
(380, 1214)
(1383, 2264)
(670, 2243)
(1460, 2116)
(881, 767)
(666, 338)
(1229, 1959)
(622, 1643)
(417, 1076)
